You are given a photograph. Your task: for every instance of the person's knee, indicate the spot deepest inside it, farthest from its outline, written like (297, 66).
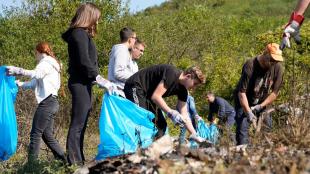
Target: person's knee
(35, 132)
(48, 136)
(76, 128)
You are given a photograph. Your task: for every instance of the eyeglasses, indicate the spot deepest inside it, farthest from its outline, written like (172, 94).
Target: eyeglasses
(141, 50)
(135, 38)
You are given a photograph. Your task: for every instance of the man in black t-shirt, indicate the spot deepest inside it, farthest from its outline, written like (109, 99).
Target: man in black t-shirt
(258, 87)
(149, 86)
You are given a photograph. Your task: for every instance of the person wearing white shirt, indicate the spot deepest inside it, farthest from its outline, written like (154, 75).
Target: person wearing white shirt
(120, 63)
(45, 81)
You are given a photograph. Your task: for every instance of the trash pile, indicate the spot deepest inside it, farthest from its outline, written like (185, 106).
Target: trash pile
(165, 156)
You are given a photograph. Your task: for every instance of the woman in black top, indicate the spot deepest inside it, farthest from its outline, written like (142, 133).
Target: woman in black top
(83, 71)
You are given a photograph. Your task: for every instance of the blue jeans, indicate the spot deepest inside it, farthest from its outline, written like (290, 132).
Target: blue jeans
(42, 127)
(242, 132)
(231, 119)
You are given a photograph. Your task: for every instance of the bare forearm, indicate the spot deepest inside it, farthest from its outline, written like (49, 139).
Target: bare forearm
(244, 102)
(302, 6)
(160, 102)
(269, 99)
(189, 126)
(185, 116)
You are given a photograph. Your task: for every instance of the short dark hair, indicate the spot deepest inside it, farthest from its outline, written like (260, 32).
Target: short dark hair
(210, 93)
(196, 73)
(126, 33)
(139, 42)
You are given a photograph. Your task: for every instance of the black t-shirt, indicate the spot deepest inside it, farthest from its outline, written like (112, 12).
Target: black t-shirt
(257, 82)
(147, 80)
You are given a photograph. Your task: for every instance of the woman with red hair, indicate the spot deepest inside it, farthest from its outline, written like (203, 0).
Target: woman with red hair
(45, 81)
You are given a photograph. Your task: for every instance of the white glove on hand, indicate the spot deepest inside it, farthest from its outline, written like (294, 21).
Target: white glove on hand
(176, 118)
(198, 118)
(197, 138)
(292, 30)
(252, 119)
(19, 83)
(13, 70)
(256, 108)
(104, 83)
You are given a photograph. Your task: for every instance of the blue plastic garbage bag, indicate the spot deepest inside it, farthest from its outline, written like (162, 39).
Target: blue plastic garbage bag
(8, 125)
(209, 132)
(123, 127)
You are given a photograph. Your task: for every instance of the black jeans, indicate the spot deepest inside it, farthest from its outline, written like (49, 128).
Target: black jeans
(42, 126)
(81, 106)
(136, 95)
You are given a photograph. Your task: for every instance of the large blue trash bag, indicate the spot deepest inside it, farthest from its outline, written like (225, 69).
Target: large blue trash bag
(123, 127)
(209, 132)
(8, 125)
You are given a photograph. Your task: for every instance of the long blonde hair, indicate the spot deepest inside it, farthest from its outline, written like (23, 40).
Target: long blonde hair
(86, 16)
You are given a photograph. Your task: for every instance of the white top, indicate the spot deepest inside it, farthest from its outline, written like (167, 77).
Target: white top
(121, 65)
(45, 78)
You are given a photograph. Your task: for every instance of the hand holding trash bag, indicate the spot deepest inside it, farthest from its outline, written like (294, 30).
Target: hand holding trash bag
(13, 70)
(104, 83)
(19, 83)
(198, 118)
(176, 118)
(197, 138)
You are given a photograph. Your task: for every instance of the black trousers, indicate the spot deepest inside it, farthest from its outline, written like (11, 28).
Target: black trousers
(136, 95)
(42, 127)
(81, 106)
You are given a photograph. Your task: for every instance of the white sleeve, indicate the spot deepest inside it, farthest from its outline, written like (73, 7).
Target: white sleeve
(41, 70)
(121, 72)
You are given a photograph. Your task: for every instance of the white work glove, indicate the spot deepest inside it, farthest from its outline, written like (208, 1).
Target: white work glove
(176, 118)
(257, 108)
(13, 70)
(198, 118)
(292, 30)
(104, 83)
(252, 119)
(19, 83)
(197, 138)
